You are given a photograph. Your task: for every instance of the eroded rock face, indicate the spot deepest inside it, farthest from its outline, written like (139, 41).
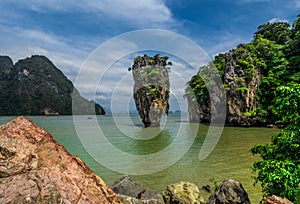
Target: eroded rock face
(131, 192)
(231, 192)
(183, 193)
(34, 168)
(277, 200)
(151, 88)
(242, 87)
(241, 79)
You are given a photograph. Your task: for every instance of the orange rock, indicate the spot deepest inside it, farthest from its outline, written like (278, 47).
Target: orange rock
(277, 200)
(34, 168)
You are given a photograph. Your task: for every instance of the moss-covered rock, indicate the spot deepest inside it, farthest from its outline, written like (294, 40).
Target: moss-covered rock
(151, 88)
(182, 193)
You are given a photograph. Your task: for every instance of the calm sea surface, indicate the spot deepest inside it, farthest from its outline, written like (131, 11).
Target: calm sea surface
(174, 148)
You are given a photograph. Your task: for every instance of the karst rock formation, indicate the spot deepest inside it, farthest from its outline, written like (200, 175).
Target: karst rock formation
(151, 88)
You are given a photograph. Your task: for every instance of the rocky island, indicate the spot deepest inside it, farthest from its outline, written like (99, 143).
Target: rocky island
(151, 88)
(240, 86)
(252, 75)
(35, 86)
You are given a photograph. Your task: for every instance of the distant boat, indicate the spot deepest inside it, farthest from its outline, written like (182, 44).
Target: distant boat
(89, 118)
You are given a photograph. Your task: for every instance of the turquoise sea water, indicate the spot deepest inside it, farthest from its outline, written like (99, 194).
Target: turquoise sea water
(175, 148)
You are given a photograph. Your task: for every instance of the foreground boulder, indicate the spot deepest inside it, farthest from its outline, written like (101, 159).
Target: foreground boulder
(34, 168)
(182, 193)
(277, 200)
(131, 192)
(229, 192)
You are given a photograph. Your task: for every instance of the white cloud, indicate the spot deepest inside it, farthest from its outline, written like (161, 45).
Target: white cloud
(274, 20)
(226, 42)
(150, 10)
(16, 35)
(297, 2)
(20, 43)
(146, 11)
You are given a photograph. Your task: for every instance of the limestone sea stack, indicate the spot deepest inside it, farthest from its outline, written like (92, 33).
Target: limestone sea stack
(151, 88)
(241, 78)
(34, 168)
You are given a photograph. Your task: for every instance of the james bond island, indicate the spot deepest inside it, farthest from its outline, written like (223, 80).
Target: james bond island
(151, 88)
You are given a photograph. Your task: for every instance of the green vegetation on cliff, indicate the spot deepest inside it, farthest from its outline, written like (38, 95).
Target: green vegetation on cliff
(261, 80)
(34, 86)
(279, 171)
(151, 87)
(253, 72)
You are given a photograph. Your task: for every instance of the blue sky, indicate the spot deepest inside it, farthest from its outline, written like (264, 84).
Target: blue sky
(68, 31)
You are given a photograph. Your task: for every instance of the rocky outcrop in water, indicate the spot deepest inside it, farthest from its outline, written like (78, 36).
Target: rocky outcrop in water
(151, 88)
(229, 191)
(183, 193)
(241, 85)
(35, 86)
(34, 168)
(131, 192)
(241, 79)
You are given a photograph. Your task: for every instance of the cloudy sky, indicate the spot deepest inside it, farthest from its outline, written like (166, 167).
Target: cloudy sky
(73, 34)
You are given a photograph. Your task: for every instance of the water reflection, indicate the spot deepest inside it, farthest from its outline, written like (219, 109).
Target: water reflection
(159, 142)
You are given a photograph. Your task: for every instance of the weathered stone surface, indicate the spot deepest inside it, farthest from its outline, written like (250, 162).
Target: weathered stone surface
(229, 192)
(132, 192)
(240, 100)
(182, 193)
(241, 87)
(130, 200)
(151, 88)
(277, 200)
(34, 168)
(127, 186)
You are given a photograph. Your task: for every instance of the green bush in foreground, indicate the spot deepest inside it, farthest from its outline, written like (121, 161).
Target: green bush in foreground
(279, 171)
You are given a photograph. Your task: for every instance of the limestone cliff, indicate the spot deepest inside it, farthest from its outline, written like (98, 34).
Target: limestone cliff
(151, 88)
(241, 86)
(35, 86)
(34, 168)
(241, 78)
